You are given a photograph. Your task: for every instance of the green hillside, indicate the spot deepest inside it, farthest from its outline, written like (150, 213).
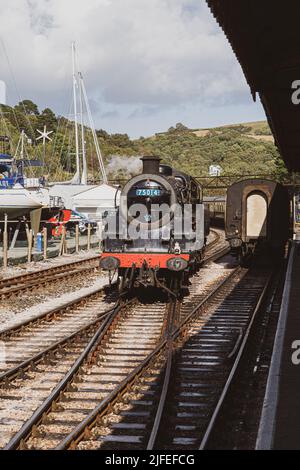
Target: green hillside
(241, 149)
(235, 148)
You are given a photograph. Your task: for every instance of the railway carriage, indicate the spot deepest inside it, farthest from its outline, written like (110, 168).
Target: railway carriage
(216, 207)
(157, 257)
(257, 217)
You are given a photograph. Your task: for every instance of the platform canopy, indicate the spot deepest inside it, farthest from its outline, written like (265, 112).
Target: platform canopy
(265, 36)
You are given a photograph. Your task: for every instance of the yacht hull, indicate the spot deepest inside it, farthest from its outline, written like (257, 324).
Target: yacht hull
(17, 203)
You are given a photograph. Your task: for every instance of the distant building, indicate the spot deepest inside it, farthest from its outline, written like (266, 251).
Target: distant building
(215, 170)
(91, 201)
(96, 201)
(2, 92)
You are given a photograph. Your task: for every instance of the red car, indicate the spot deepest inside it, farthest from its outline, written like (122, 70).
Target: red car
(69, 219)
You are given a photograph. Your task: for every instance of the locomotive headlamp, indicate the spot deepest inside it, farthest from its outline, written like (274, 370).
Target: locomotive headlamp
(109, 263)
(177, 264)
(177, 249)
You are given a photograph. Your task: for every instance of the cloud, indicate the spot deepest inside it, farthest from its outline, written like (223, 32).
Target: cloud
(145, 111)
(135, 54)
(110, 114)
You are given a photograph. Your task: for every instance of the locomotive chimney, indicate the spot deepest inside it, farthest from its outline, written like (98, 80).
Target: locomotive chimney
(151, 164)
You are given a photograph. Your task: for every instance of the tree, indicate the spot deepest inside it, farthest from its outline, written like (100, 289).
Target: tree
(120, 140)
(27, 107)
(48, 118)
(178, 128)
(181, 127)
(102, 134)
(24, 122)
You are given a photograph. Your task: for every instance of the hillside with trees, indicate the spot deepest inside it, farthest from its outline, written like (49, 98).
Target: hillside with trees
(239, 149)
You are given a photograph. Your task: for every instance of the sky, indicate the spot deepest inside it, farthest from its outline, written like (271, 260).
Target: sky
(147, 64)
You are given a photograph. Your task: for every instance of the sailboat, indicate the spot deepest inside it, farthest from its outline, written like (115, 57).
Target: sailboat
(19, 195)
(70, 191)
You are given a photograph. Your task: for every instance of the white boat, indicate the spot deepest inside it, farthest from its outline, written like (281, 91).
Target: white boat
(18, 201)
(19, 195)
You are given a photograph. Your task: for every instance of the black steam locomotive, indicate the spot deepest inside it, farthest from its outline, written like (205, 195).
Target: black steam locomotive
(158, 236)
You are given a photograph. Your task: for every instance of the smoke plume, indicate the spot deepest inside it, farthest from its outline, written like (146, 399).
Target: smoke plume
(123, 166)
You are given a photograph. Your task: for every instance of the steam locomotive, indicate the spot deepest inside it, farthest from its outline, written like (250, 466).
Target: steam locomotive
(158, 235)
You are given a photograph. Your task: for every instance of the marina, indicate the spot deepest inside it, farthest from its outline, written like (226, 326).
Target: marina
(149, 230)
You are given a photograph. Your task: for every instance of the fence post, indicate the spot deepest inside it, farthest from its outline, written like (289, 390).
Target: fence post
(45, 242)
(65, 241)
(100, 235)
(5, 244)
(77, 238)
(30, 243)
(62, 242)
(89, 237)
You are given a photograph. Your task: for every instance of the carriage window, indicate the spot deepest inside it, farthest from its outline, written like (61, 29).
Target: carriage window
(257, 210)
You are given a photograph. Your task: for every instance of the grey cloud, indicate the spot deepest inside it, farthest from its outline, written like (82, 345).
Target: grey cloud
(110, 114)
(139, 57)
(40, 20)
(144, 111)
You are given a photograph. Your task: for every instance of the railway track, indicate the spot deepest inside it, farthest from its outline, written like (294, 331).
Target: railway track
(33, 338)
(217, 247)
(169, 400)
(29, 341)
(17, 285)
(217, 237)
(129, 335)
(235, 424)
(44, 341)
(26, 387)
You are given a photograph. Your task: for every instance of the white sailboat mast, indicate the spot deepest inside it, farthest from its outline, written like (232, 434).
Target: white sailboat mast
(92, 125)
(20, 148)
(77, 175)
(22, 144)
(84, 177)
